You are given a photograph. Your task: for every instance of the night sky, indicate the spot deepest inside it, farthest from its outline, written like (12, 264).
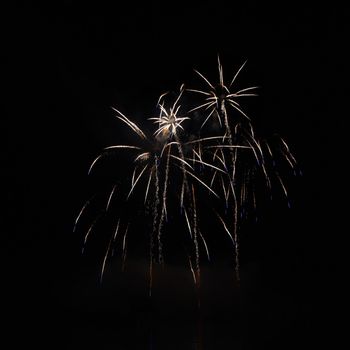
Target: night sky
(64, 66)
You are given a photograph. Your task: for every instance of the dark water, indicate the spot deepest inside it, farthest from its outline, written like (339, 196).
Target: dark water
(119, 314)
(271, 326)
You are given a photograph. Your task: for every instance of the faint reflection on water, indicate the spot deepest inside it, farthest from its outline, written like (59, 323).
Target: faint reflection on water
(171, 337)
(198, 335)
(120, 317)
(183, 331)
(180, 342)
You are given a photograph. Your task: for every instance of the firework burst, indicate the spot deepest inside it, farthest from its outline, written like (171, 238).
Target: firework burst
(174, 167)
(240, 152)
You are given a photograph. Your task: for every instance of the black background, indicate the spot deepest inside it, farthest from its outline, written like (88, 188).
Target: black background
(64, 66)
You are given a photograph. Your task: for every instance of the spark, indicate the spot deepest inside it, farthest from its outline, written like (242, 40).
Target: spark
(125, 247)
(205, 245)
(105, 258)
(192, 271)
(137, 180)
(88, 232)
(110, 197)
(188, 224)
(81, 212)
(115, 235)
(132, 125)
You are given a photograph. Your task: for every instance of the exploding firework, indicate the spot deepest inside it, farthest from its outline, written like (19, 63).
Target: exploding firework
(174, 166)
(241, 153)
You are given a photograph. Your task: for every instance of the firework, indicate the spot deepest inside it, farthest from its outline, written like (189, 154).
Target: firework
(174, 167)
(239, 151)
